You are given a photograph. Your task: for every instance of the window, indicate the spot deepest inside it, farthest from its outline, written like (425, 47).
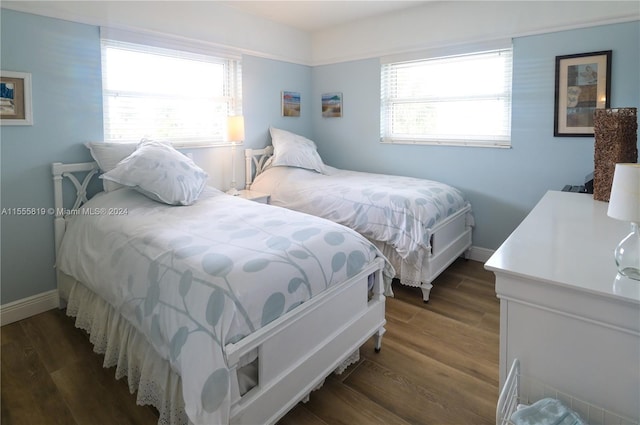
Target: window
(182, 95)
(453, 100)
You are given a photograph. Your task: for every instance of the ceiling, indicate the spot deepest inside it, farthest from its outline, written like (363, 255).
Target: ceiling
(320, 14)
(305, 15)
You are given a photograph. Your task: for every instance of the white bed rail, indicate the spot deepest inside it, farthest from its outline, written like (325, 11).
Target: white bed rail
(318, 337)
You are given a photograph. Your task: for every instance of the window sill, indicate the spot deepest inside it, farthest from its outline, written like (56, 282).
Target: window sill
(470, 144)
(203, 145)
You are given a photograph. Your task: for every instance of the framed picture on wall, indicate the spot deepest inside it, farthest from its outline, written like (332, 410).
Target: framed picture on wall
(583, 83)
(332, 105)
(15, 98)
(290, 104)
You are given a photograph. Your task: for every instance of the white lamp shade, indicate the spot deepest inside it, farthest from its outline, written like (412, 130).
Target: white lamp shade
(624, 202)
(235, 128)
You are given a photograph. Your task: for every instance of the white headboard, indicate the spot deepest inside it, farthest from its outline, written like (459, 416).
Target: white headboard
(255, 159)
(61, 171)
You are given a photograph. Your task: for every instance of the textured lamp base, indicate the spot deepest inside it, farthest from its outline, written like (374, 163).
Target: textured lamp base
(615, 141)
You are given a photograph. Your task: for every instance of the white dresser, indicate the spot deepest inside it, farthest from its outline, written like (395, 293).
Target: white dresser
(564, 311)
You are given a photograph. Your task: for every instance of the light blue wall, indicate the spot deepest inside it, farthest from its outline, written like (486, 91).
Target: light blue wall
(64, 61)
(502, 184)
(263, 80)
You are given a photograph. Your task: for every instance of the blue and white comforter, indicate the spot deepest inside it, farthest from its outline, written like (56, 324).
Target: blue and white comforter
(397, 210)
(195, 278)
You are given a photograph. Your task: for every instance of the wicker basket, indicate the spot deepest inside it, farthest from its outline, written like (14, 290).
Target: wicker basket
(615, 131)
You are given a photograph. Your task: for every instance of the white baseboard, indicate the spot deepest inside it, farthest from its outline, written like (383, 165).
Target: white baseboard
(480, 254)
(27, 307)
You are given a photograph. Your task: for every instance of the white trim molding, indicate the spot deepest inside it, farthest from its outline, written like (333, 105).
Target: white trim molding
(449, 24)
(424, 26)
(209, 22)
(27, 307)
(480, 254)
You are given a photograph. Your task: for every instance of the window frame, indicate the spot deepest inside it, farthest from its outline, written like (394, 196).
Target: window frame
(180, 49)
(389, 65)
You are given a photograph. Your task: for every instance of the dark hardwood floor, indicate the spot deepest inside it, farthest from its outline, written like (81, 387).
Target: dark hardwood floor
(438, 365)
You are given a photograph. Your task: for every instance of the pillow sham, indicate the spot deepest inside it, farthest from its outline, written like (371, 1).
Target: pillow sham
(161, 173)
(108, 155)
(293, 150)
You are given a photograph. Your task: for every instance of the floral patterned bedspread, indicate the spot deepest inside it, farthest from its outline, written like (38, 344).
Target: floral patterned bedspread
(194, 278)
(396, 210)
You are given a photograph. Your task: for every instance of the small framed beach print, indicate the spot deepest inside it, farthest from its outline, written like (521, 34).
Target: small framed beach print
(15, 98)
(290, 104)
(332, 105)
(583, 83)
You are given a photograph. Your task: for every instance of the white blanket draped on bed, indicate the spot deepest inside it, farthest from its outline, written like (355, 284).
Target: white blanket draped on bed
(396, 210)
(195, 278)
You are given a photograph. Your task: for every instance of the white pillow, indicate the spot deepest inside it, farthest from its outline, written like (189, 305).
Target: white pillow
(293, 150)
(107, 155)
(160, 172)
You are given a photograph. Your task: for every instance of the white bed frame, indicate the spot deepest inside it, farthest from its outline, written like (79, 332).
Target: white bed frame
(295, 352)
(450, 238)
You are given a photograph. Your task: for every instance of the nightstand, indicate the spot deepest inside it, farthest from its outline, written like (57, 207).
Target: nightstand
(252, 195)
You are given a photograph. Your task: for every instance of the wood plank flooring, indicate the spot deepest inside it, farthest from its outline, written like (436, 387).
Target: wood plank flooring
(438, 365)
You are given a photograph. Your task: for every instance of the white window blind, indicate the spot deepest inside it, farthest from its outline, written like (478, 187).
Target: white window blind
(175, 94)
(454, 100)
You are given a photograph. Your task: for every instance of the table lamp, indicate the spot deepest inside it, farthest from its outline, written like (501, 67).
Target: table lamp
(624, 204)
(235, 133)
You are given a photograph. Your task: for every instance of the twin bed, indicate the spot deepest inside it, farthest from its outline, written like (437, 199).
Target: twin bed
(421, 226)
(218, 310)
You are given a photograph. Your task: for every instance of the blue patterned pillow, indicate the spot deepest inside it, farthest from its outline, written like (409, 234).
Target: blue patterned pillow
(161, 173)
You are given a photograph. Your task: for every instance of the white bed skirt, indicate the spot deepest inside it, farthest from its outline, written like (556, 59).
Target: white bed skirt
(410, 270)
(123, 346)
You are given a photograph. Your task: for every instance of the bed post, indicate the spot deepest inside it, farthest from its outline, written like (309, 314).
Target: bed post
(248, 168)
(58, 221)
(378, 296)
